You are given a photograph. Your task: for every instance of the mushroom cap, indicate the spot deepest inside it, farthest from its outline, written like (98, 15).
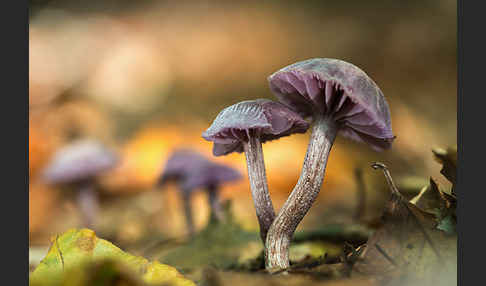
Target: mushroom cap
(79, 161)
(179, 162)
(193, 171)
(270, 119)
(340, 91)
(212, 174)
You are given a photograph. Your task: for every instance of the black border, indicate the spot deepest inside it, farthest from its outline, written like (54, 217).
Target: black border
(15, 135)
(459, 211)
(460, 162)
(471, 171)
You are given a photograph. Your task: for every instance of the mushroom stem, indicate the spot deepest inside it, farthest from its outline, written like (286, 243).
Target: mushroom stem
(280, 234)
(214, 203)
(258, 183)
(88, 204)
(186, 201)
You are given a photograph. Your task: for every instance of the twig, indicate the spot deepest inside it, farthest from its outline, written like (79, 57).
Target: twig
(395, 191)
(385, 255)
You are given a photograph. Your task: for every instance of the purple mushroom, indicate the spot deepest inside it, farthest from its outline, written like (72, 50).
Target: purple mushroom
(178, 163)
(78, 165)
(193, 171)
(339, 97)
(244, 127)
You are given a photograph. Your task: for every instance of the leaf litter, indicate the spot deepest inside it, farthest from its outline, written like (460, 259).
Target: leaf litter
(415, 244)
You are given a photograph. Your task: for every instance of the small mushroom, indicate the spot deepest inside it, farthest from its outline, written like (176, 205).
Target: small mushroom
(193, 171)
(177, 165)
(78, 164)
(339, 97)
(244, 126)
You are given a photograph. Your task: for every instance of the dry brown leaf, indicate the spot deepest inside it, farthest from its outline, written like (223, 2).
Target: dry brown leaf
(448, 159)
(408, 244)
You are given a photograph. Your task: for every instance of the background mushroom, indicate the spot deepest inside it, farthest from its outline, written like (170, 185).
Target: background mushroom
(193, 171)
(340, 97)
(244, 126)
(78, 165)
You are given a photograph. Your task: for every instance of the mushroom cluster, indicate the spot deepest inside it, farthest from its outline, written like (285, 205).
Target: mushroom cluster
(78, 165)
(337, 97)
(244, 127)
(192, 171)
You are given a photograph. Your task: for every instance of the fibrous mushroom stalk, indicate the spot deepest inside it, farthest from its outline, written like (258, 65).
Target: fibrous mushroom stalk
(214, 202)
(258, 184)
(88, 204)
(305, 192)
(186, 201)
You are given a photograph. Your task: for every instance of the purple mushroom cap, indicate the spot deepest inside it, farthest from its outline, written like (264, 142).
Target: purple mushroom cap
(270, 119)
(193, 171)
(178, 164)
(340, 90)
(79, 161)
(211, 174)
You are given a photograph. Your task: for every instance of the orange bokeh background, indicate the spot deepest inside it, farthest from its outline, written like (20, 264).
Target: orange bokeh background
(149, 79)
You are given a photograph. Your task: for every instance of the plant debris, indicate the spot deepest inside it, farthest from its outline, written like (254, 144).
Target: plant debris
(78, 257)
(410, 246)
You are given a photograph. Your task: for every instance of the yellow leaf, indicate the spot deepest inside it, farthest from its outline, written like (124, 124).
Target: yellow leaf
(76, 250)
(158, 273)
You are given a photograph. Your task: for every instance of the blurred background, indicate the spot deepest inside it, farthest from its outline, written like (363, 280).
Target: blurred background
(146, 77)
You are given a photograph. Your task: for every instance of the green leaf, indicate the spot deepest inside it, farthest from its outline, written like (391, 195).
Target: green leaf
(76, 251)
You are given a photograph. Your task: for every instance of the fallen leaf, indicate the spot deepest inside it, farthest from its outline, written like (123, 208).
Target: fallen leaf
(448, 159)
(442, 205)
(77, 250)
(408, 245)
(430, 198)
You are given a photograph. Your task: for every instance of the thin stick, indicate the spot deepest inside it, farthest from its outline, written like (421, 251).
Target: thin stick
(383, 252)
